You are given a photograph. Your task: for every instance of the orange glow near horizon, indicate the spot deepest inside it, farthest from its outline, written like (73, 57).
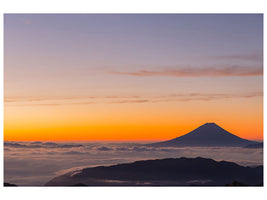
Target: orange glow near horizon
(131, 77)
(134, 134)
(134, 122)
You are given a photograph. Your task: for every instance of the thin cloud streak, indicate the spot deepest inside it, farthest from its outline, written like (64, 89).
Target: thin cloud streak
(134, 99)
(13, 99)
(234, 70)
(258, 57)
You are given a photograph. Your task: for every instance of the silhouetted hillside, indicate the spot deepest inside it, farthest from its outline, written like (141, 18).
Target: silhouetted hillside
(258, 145)
(80, 184)
(9, 184)
(209, 134)
(163, 172)
(235, 183)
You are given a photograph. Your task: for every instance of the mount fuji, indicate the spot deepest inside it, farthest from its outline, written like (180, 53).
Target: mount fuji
(209, 135)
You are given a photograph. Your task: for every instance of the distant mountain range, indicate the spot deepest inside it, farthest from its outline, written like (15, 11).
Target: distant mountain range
(207, 135)
(164, 172)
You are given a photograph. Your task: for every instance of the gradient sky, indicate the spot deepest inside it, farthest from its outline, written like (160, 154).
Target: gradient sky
(131, 77)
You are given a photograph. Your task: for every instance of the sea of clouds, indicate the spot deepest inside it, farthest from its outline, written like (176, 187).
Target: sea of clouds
(35, 163)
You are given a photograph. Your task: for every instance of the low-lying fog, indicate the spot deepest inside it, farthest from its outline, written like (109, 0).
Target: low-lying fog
(35, 163)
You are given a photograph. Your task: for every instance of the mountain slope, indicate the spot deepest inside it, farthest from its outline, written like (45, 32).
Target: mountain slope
(209, 134)
(164, 172)
(255, 146)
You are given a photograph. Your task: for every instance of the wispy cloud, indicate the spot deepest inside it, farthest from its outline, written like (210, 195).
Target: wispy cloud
(209, 97)
(22, 101)
(233, 70)
(132, 101)
(11, 99)
(257, 56)
(40, 145)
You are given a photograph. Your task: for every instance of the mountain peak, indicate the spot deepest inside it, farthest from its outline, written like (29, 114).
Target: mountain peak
(209, 128)
(210, 124)
(208, 134)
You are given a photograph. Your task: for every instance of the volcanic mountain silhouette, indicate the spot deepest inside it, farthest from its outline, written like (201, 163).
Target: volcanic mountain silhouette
(209, 134)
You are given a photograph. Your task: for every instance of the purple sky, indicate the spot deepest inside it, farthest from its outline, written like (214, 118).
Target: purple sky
(63, 59)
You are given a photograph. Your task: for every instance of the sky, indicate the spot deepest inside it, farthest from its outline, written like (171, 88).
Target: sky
(131, 77)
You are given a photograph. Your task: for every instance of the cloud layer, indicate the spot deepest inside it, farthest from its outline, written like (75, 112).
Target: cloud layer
(26, 164)
(254, 57)
(121, 99)
(234, 70)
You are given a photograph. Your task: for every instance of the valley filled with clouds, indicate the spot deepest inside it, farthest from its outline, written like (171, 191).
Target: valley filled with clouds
(35, 163)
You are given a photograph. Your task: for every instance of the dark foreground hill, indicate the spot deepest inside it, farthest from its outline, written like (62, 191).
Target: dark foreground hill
(9, 185)
(163, 172)
(207, 135)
